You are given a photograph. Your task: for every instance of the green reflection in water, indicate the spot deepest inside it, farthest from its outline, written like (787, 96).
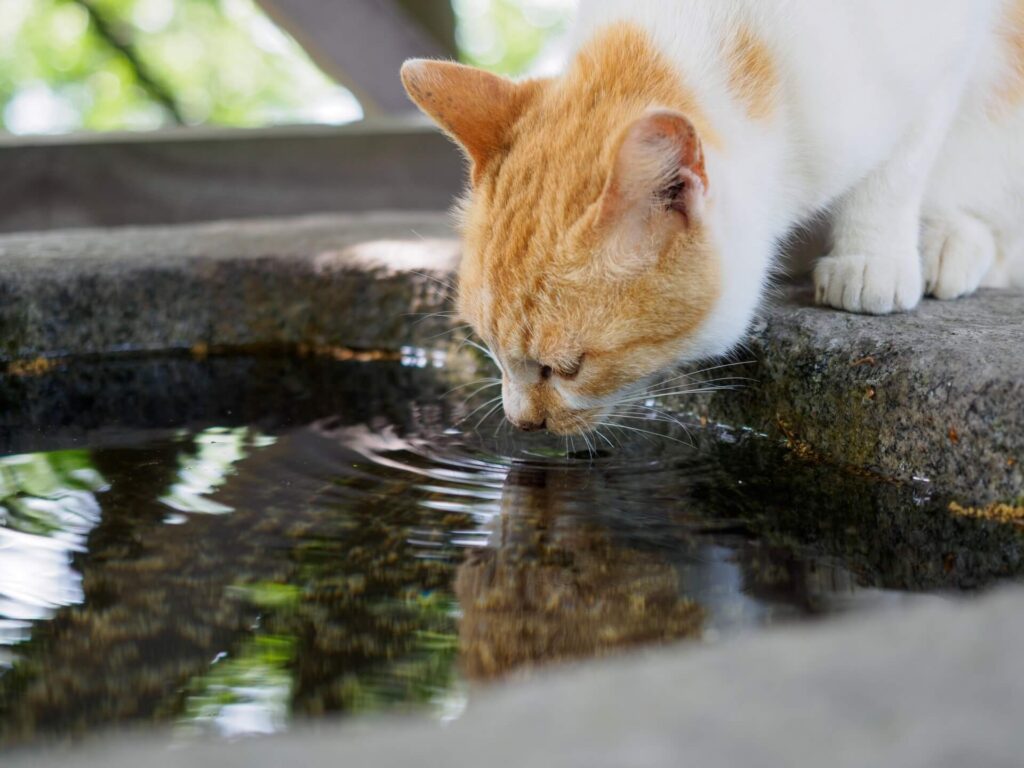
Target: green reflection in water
(29, 479)
(426, 675)
(202, 472)
(47, 509)
(250, 691)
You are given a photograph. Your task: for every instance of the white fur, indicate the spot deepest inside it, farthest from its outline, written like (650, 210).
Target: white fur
(883, 119)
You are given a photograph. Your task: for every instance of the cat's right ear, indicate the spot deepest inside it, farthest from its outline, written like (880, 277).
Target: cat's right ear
(474, 107)
(659, 173)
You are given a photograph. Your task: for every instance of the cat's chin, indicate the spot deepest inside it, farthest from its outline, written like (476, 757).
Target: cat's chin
(573, 423)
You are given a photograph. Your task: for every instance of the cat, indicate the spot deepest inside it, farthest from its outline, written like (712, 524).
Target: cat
(626, 216)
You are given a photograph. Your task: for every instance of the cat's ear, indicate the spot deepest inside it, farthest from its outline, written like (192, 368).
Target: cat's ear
(658, 176)
(474, 107)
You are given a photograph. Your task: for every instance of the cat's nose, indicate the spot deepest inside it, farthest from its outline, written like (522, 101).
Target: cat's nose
(531, 426)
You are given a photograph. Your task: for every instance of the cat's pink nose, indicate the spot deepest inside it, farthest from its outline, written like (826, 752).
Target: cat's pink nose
(531, 426)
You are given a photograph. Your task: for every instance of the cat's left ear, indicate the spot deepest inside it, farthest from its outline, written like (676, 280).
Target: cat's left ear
(474, 107)
(659, 174)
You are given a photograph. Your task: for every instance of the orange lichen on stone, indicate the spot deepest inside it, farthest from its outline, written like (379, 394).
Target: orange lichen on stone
(35, 367)
(800, 448)
(345, 354)
(869, 360)
(1009, 514)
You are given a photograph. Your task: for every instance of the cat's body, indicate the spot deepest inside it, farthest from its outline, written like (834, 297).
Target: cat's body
(877, 111)
(628, 215)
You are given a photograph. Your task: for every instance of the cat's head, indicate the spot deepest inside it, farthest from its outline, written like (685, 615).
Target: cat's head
(589, 264)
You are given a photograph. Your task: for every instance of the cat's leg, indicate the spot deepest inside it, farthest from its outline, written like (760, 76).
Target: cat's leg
(973, 221)
(875, 264)
(958, 250)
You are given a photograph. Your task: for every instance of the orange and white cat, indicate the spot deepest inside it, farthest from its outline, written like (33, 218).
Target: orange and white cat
(626, 216)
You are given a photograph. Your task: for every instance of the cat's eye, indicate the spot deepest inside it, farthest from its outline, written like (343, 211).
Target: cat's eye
(572, 371)
(563, 372)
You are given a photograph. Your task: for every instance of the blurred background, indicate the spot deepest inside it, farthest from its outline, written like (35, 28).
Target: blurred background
(140, 65)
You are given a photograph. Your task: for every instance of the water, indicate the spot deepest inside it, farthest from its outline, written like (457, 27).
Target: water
(233, 545)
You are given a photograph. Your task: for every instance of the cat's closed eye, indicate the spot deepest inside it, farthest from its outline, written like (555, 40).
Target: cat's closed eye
(572, 371)
(563, 372)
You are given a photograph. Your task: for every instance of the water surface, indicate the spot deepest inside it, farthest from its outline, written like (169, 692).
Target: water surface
(232, 545)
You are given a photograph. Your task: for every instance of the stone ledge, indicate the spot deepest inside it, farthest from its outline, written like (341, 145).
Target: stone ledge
(935, 394)
(357, 281)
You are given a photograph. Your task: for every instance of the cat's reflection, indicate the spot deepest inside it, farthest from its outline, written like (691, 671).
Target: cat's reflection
(555, 585)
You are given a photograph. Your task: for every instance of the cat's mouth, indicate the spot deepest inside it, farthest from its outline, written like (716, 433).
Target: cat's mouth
(571, 423)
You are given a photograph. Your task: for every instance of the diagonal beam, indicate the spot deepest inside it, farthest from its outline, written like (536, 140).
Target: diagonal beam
(362, 43)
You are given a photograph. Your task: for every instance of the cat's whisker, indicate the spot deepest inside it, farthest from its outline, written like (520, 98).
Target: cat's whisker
(482, 389)
(598, 433)
(688, 441)
(477, 410)
(422, 317)
(677, 393)
(720, 367)
(680, 392)
(696, 377)
(490, 381)
(437, 280)
(703, 383)
(486, 351)
(487, 415)
(649, 432)
(653, 414)
(449, 332)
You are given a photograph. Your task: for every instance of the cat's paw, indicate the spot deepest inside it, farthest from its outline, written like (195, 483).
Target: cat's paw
(868, 284)
(957, 251)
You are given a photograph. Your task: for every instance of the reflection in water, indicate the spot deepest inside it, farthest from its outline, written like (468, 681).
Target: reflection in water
(554, 585)
(248, 693)
(381, 561)
(47, 509)
(217, 450)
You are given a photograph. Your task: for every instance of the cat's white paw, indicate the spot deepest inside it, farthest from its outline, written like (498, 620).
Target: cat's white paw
(957, 251)
(871, 285)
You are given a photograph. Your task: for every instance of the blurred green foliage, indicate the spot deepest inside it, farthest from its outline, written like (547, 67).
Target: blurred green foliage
(104, 65)
(37, 493)
(221, 61)
(508, 36)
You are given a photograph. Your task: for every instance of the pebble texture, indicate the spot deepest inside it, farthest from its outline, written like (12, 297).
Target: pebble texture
(935, 394)
(937, 684)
